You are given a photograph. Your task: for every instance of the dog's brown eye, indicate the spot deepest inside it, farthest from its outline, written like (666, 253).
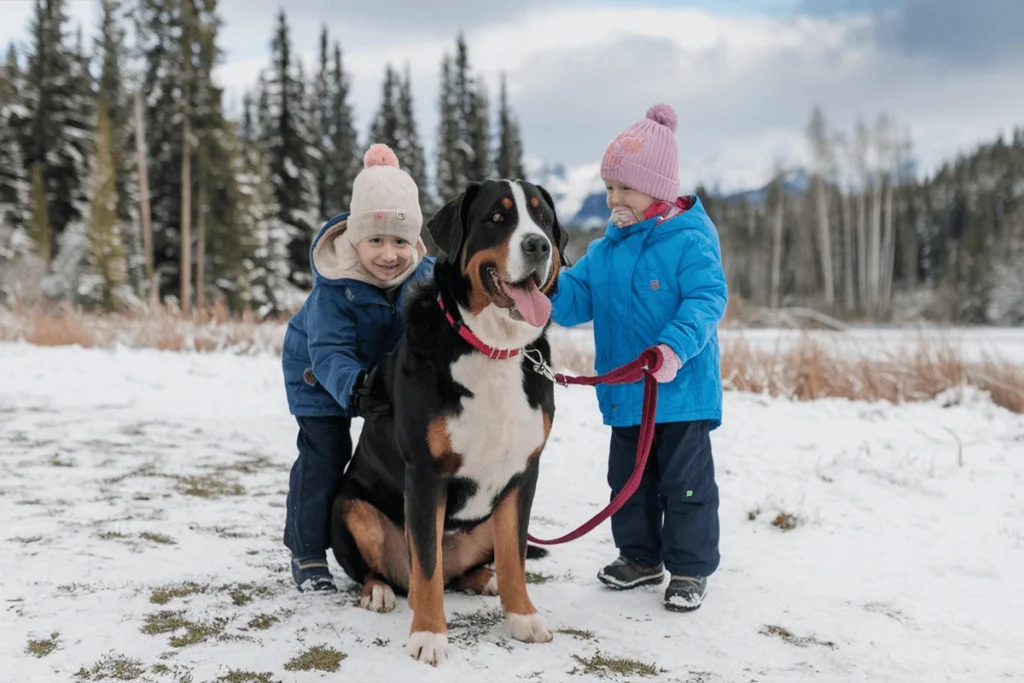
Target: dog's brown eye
(497, 218)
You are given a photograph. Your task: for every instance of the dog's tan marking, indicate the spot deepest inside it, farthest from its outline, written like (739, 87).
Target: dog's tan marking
(534, 202)
(479, 299)
(381, 544)
(506, 203)
(556, 266)
(509, 560)
(440, 444)
(426, 593)
(547, 432)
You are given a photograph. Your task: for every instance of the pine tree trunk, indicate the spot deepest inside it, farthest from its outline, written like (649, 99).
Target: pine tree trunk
(147, 233)
(862, 247)
(848, 246)
(875, 250)
(186, 218)
(777, 248)
(888, 251)
(825, 242)
(201, 250)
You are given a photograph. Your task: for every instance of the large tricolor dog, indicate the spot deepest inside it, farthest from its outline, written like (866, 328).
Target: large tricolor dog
(439, 492)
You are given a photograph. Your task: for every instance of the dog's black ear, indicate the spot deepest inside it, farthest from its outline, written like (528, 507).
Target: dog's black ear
(447, 225)
(560, 233)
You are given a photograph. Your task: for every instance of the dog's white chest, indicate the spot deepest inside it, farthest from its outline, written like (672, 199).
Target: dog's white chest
(497, 430)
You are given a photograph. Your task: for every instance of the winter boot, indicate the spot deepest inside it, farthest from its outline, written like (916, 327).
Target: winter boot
(685, 593)
(313, 576)
(623, 574)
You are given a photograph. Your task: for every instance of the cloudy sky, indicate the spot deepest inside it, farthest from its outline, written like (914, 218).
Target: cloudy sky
(742, 74)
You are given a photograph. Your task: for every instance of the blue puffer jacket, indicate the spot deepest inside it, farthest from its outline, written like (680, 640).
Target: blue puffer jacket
(345, 326)
(652, 284)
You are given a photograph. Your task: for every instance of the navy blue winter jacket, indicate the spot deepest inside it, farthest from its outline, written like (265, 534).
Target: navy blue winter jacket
(344, 327)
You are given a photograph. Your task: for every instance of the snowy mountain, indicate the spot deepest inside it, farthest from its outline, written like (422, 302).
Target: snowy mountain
(579, 192)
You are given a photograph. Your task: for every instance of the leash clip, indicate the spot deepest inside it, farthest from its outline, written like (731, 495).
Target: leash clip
(539, 366)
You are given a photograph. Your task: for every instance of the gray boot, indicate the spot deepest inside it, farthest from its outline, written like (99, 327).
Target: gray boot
(685, 593)
(623, 574)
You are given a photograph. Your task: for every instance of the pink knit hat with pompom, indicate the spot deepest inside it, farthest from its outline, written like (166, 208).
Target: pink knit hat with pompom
(385, 199)
(644, 157)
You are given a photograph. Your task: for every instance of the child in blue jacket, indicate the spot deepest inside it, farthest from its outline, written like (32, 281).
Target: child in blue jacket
(655, 279)
(362, 262)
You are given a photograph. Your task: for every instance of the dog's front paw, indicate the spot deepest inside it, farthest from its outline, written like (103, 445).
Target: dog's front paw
(529, 628)
(427, 646)
(377, 597)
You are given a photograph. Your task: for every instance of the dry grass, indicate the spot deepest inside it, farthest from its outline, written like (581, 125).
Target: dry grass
(167, 329)
(809, 370)
(803, 370)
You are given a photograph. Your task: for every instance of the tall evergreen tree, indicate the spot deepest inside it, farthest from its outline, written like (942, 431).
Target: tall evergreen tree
(410, 149)
(59, 102)
(221, 243)
(478, 166)
(267, 289)
(289, 154)
(450, 176)
(159, 33)
(343, 161)
(14, 177)
(385, 127)
(508, 158)
(114, 89)
(319, 115)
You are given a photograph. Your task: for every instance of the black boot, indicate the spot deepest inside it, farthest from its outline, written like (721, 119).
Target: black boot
(623, 574)
(685, 593)
(313, 576)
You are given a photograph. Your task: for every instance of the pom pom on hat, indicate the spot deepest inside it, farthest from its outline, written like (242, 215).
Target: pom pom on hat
(385, 199)
(665, 115)
(379, 154)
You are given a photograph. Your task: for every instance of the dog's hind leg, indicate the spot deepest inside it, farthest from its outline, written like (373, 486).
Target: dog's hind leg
(382, 551)
(511, 517)
(469, 557)
(482, 581)
(378, 596)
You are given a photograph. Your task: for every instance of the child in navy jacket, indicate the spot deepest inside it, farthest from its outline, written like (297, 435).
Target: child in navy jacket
(362, 263)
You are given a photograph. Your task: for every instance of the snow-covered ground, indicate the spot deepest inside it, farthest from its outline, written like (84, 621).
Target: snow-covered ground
(142, 498)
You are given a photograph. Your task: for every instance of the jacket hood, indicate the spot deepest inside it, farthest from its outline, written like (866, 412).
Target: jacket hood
(333, 256)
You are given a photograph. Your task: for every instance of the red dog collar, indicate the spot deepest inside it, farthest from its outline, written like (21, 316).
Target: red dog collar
(474, 341)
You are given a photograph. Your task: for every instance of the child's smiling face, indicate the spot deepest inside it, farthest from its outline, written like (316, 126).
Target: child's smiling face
(620, 196)
(385, 256)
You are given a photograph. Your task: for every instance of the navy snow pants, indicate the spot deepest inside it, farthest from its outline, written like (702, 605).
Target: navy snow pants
(325, 447)
(673, 516)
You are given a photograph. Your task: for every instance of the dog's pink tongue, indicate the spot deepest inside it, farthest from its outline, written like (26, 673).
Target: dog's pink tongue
(530, 302)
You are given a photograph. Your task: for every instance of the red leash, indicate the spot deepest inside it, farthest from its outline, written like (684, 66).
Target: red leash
(646, 363)
(643, 368)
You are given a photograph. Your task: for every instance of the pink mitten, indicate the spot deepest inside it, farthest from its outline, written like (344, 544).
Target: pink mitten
(623, 216)
(670, 364)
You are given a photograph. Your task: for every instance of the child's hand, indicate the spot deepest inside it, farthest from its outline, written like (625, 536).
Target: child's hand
(623, 216)
(670, 364)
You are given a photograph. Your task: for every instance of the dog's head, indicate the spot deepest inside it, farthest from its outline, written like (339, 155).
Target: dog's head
(504, 239)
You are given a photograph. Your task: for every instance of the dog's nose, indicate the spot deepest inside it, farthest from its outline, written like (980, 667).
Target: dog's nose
(536, 246)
